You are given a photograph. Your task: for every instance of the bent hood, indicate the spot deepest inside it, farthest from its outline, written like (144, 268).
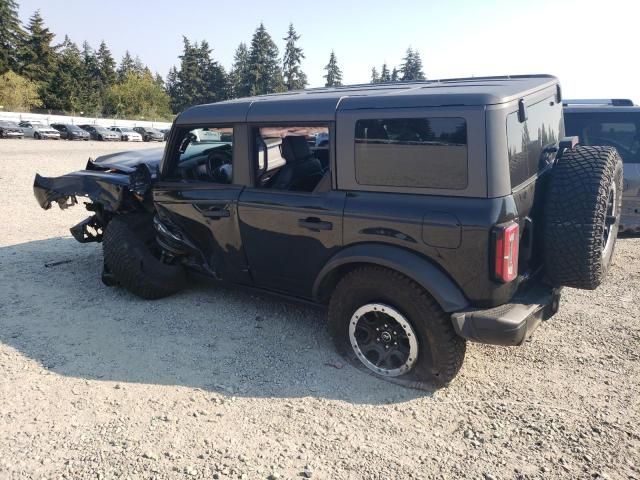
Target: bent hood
(104, 180)
(127, 162)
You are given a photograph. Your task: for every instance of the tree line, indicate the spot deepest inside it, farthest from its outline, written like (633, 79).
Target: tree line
(36, 73)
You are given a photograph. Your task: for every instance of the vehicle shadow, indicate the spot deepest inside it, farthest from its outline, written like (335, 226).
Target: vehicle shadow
(55, 310)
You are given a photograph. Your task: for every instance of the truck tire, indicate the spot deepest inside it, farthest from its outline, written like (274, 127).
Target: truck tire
(127, 247)
(581, 216)
(387, 325)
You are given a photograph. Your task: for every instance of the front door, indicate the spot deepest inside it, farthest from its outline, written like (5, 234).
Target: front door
(291, 220)
(198, 195)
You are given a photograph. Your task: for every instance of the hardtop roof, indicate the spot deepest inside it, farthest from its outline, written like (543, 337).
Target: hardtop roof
(321, 104)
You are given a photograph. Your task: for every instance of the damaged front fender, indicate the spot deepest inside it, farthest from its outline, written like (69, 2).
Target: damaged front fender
(104, 188)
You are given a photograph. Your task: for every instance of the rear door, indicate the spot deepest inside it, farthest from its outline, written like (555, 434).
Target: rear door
(289, 231)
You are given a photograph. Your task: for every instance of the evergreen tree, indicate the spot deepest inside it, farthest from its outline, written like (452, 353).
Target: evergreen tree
(37, 55)
(199, 80)
(63, 92)
(411, 69)
(265, 75)
(172, 87)
(159, 80)
(334, 74)
(375, 78)
(395, 75)
(11, 35)
(239, 75)
(294, 77)
(106, 65)
(127, 66)
(91, 87)
(385, 76)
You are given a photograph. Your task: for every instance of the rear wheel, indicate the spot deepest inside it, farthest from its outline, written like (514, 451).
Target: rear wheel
(37, 136)
(132, 256)
(581, 218)
(387, 325)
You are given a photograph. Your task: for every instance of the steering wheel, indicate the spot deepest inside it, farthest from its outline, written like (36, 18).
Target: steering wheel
(622, 149)
(218, 165)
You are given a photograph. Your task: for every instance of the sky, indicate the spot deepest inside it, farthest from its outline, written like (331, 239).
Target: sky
(590, 45)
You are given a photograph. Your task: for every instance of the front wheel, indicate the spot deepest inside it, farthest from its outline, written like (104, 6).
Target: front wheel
(37, 136)
(387, 325)
(132, 256)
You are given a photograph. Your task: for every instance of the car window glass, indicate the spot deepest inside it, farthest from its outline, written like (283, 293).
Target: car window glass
(291, 157)
(206, 154)
(528, 141)
(619, 130)
(425, 152)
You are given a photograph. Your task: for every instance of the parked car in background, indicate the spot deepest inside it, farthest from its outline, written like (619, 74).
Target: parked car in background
(69, 131)
(9, 129)
(616, 123)
(127, 134)
(165, 132)
(150, 134)
(100, 133)
(38, 130)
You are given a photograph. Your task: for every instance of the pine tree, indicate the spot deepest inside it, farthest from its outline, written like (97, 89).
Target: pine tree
(334, 74)
(395, 75)
(294, 77)
(11, 35)
(385, 76)
(265, 75)
(106, 65)
(411, 69)
(172, 87)
(375, 78)
(91, 87)
(37, 56)
(63, 91)
(239, 75)
(127, 66)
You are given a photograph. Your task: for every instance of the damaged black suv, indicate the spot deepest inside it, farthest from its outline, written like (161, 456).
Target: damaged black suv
(423, 214)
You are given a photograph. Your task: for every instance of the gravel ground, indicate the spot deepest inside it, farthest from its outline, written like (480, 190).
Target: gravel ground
(217, 383)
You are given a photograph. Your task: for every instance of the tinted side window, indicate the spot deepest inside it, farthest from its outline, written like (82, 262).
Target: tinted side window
(620, 130)
(412, 152)
(527, 141)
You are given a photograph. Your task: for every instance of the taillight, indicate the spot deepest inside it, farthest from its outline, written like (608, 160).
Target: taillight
(507, 241)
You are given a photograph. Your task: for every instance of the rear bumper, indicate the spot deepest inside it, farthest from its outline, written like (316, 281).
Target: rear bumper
(511, 323)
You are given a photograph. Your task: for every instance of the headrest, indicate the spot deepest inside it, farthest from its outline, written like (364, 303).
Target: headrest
(295, 148)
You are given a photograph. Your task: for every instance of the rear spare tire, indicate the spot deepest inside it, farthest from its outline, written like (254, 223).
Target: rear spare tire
(581, 216)
(387, 325)
(131, 255)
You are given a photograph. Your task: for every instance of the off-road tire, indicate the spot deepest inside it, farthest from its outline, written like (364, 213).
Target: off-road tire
(441, 350)
(575, 216)
(127, 249)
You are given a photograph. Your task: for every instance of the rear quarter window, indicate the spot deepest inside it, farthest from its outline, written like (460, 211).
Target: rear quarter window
(527, 141)
(412, 152)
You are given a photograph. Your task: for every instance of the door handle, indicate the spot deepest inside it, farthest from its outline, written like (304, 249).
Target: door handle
(215, 212)
(315, 224)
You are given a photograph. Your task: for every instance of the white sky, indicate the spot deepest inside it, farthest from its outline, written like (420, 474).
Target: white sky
(592, 46)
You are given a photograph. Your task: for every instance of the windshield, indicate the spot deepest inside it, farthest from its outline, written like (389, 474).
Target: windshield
(74, 128)
(7, 123)
(101, 129)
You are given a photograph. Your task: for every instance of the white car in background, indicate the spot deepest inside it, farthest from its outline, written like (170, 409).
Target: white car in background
(38, 130)
(127, 134)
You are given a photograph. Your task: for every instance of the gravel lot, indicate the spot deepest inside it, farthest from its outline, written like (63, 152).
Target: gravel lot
(216, 383)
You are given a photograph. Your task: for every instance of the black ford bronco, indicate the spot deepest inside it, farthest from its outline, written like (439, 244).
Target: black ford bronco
(423, 214)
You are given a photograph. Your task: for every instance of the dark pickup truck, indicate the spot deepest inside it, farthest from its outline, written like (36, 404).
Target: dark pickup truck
(424, 214)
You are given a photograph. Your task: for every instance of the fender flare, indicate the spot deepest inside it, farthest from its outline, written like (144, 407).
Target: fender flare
(443, 289)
